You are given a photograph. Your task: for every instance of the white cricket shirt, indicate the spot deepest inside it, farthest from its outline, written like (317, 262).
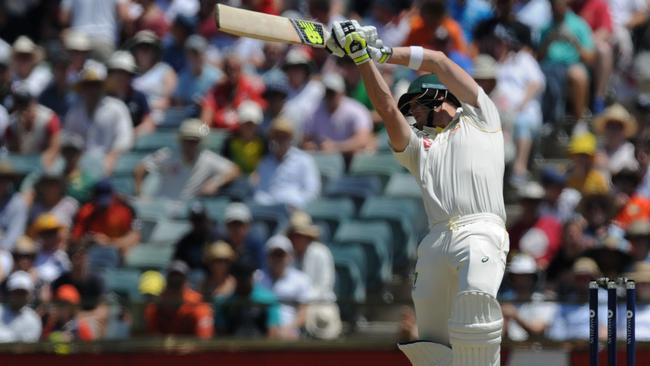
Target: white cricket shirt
(460, 169)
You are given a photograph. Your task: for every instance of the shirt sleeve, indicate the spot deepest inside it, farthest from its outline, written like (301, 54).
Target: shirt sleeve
(486, 116)
(154, 161)
(124, 128)
(362, 120)
(311, 183)
(584, 34)
(410, 157)
(17, 221)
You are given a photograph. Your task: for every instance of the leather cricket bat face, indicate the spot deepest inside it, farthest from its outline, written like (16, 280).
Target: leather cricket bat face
(267, 27)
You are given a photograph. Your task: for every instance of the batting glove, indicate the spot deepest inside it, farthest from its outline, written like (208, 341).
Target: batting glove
(368, 32)
(380, 54)
(351, 41)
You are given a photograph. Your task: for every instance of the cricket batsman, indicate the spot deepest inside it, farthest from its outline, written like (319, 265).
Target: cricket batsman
(455, 152)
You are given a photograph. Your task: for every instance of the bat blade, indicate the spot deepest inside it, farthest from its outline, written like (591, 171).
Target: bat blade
(267, 27)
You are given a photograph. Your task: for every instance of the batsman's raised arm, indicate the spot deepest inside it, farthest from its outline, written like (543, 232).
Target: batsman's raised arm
(396, 125)
(459, 82)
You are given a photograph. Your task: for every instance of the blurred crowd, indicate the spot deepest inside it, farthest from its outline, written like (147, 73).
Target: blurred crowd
(129, 122)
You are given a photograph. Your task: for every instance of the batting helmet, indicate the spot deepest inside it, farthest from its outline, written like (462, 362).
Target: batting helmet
(425, 87)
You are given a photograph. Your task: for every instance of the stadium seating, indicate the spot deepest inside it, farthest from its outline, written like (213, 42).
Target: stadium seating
(375, 239)
(24, 164)
(350, 264)
(155, 140)
(403, 185)
(331, 211)
(382, 165)
(149, 256)
(405, 220)
(169, 231)
(357, 188)
(124, 185)
(331, 166)
(123, 281)
(127, 162)
(275, 217)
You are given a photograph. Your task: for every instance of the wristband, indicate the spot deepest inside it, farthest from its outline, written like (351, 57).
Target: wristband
(417, 55)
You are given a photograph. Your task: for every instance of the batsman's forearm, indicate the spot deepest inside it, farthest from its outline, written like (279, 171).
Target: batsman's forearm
(398, 129)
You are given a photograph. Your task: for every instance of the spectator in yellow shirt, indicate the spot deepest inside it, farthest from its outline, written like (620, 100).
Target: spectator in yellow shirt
(582, 176)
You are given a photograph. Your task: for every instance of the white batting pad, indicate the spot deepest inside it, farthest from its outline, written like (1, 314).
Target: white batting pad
(425, 353)
(475, 329)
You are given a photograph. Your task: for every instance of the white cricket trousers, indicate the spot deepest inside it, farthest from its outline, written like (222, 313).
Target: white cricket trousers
(466, 253)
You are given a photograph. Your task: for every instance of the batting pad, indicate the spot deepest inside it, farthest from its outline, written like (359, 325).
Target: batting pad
(475, 329)
(425, 353)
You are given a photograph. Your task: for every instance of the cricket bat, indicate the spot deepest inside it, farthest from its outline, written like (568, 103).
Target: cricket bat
(267, 27)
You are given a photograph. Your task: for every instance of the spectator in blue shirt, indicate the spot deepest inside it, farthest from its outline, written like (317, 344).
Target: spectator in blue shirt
(197, 77)
(248, 246)
(173, 45)
(287, 175)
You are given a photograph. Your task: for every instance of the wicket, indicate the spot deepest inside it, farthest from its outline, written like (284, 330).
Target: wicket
(630, 341)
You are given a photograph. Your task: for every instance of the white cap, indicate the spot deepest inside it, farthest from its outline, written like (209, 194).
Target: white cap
(122, 60)
(20, 280)
(297, 56)
(485, 67)
(24, 44)
(76, 41)
(334, 82)
(249, 111)
(279, 242)
(522, 264)
(534, 242)
(193, 128)
(5, 53)
(92, 71)
(237, 211)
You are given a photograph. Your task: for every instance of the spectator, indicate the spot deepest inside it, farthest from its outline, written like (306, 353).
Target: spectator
(322, 320)
(13, 209)
(571, 322)
(174, 8)
(339, 124)
(157, 80)
(27, 68)
(119, 84)
(520, 83)
(305, 92)
(65, 323)
(566, 48)
(612, 254)
(77, 46)
(598, 210)
(627, 15)
(98, 19)
(560, 201)
(33, 128)
(275, 93)
(246, 147)
(286, 175)
(433, 14)
(24, 254)
(152, 18)
(173, 46)
(58, 95)
(597, 15)
(533, 234)
(252, 311)
(248, 246)
(582, 175)
(486, 33)
(312, 257)
(150, 285)
(536, 14)
(529, 316)
(392, 24)
(104, 122)
(559, 272)
(5, 73)
(191, 247)
(107, 220)
(291, 286)
(274, 53)
(197, 77)
(630, 206)
(18, 322)
(79, 178)
(50, 197)
(218, 109)
(179, 310)
(219, 282)
(615, 125)
(638, 234)
(88, 283)
(51, 260)
(642, 155)
(189, 171)
(641, 276)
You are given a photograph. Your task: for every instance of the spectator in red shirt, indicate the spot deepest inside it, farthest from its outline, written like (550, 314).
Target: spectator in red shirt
(65, 323)
(597, 14)
(536, 235)
(107, 220)
(219, 109)
(179, 309)
(33, 128)
(152, 18)
(433, 14)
